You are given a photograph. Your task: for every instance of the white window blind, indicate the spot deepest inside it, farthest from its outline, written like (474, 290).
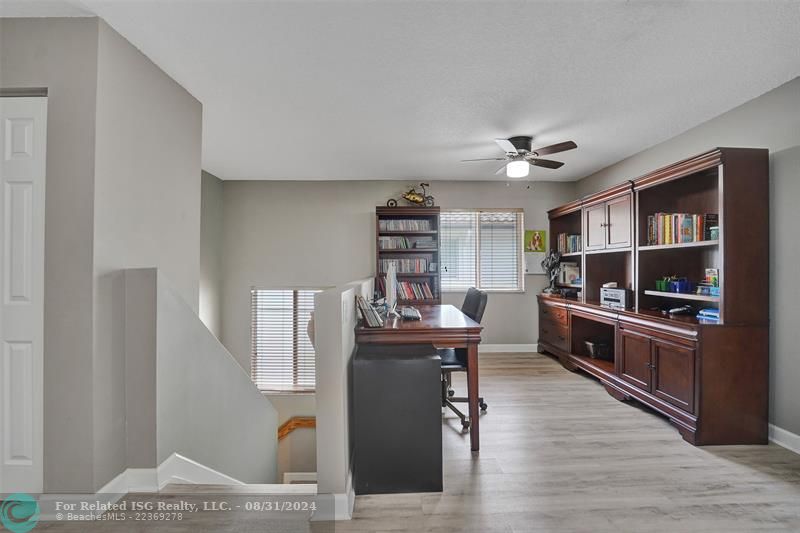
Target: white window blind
(282, 356)
(458, 241)
(481, 248)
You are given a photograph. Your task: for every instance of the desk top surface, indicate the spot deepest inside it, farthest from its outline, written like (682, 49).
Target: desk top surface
(434, 317)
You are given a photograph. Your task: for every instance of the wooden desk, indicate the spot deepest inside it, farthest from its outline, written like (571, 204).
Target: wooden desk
(444, 326)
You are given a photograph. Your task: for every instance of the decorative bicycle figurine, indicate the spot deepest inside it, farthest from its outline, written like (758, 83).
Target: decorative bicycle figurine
(414, 197)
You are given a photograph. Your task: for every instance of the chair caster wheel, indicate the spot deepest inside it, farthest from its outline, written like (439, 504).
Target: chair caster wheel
(451, 393)
(465, 424)
(483, 406)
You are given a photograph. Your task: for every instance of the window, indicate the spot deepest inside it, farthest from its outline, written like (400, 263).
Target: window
(282, 358)
(481, 248)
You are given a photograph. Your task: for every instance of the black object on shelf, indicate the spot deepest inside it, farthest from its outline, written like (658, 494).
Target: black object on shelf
(599, 349)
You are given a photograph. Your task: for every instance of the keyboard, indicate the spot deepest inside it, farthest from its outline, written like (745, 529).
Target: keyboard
(410, 313)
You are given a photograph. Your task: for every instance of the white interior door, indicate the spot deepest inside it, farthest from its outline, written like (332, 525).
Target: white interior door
(23, 137)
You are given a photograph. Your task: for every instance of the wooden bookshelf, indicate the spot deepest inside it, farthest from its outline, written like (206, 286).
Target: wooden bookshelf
(698, 244)
(429, 216)
(683, 296)
(709, 378)
(566, 219)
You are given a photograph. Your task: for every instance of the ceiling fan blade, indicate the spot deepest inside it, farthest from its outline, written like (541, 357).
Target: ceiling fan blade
(486, 159)
(506, 146)
(546, 163)
(555, 148)
(500, 170)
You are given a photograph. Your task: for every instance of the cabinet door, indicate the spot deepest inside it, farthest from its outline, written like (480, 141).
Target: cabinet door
(673, 380)
(618, 215)
(595, 230)
(634, 359)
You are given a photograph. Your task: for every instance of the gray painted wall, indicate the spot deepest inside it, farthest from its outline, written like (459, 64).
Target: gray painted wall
(321, 234)
(185, 393)
(123, 190)
(769, 121)
(61, 54)
(208, 408)
(211, 221)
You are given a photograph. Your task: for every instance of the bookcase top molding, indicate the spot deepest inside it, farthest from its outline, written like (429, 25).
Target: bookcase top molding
(704, 161)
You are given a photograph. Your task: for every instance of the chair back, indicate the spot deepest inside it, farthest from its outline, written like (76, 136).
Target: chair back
(475, 304)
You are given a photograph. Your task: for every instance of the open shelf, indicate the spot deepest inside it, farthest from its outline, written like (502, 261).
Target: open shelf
(602, 364)
(412, 274)
(698, 244)
(683, 296)
(410, 251)
(572, 254)
(608, 251)
(412, 233)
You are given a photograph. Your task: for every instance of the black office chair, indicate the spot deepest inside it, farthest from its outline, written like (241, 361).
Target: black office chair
(455, 359)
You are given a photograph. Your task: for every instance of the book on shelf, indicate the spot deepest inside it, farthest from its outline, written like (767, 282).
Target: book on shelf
(393, 243)
(406, 243)
(409, 290)
(425, 243)
(393, 224)
(416, 265)
(569, 243)
(679, 228)
(568, 273)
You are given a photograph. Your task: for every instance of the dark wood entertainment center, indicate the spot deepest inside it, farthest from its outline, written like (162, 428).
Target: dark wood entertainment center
(710, 379)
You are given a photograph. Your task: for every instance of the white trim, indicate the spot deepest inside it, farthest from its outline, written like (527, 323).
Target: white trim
(299, 477)
(343, 503)
(782, 437)
(179, 469)
(175, 469)
(507, 348)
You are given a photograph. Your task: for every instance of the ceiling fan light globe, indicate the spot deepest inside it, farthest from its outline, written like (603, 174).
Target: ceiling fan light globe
(517, 169)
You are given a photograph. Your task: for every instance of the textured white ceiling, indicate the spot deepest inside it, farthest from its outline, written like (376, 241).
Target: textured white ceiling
(404, 90)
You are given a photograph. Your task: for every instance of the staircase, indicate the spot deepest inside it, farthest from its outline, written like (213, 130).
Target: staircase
(186, 395)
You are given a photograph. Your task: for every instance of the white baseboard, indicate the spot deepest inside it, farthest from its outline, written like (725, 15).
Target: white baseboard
(507, 348)
(337, 506)
(175, 469)
(179, 469)
(299, 477)
(782, 437)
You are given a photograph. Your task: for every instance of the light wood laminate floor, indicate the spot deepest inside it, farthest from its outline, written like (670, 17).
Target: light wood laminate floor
(559, 454)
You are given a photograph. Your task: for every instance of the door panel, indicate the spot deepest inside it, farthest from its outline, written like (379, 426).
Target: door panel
(22, 184)
(634, 359)
(595, 230)
(674, 373)
(619, 222)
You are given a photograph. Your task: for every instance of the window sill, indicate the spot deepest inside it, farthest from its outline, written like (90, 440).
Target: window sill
(490, 291)
(287, 393)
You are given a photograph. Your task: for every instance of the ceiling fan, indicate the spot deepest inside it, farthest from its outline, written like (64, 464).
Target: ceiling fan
(520, 156)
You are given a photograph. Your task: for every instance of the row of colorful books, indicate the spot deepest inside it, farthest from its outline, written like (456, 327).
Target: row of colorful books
(404, 243)
(568, 244)
(415, 265)
(392, 224)
(394, 243)
(677, 228)
(408, 290)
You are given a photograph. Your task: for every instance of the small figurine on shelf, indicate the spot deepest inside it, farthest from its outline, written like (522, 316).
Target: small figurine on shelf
(414, 197)
(551, 266)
